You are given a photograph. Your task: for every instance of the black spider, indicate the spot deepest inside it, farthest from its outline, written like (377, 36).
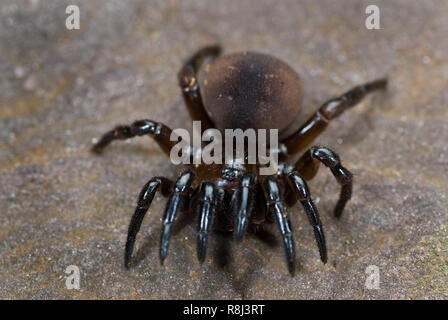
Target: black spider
(245, 90)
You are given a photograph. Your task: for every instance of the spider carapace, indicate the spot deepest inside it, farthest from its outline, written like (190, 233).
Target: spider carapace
(247, 91)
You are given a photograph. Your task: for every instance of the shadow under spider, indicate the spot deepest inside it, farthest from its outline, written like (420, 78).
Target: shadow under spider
(223, 256)
(241, 280)
(152, 241)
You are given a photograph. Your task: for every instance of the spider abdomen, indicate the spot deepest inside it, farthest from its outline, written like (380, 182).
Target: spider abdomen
(250, 90)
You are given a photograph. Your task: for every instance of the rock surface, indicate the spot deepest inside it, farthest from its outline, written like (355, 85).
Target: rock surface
(62, 206)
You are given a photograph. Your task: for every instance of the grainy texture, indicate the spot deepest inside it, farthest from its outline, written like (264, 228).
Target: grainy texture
(61, 206)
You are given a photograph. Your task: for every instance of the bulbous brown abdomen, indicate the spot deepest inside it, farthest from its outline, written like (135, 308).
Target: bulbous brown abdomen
(250, 90)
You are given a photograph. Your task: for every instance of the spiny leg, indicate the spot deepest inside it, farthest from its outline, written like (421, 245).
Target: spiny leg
(205, 210)
(144, 202)
(176, 202)
(303, 193)
(276, 208)
(307, 166)
(160, 132)
(317, 123)
(188, 82)
(243, 205)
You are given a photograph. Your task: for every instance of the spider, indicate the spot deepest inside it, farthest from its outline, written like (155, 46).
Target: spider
(243, 90)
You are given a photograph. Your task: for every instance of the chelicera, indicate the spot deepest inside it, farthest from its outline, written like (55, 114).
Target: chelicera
(244, 90)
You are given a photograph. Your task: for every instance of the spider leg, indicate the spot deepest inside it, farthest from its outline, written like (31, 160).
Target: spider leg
(176, 202)
(205, 210)
(188, 82)
(301, 188)
(276, 208)
(144, 202)
(160, 132)
(327, 112)
(244, 205)
(307, 166)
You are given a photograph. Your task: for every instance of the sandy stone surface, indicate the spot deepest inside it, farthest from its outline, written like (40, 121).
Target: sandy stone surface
(61, 206)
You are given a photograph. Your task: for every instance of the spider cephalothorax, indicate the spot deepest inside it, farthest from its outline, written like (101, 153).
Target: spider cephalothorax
(243, 91)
